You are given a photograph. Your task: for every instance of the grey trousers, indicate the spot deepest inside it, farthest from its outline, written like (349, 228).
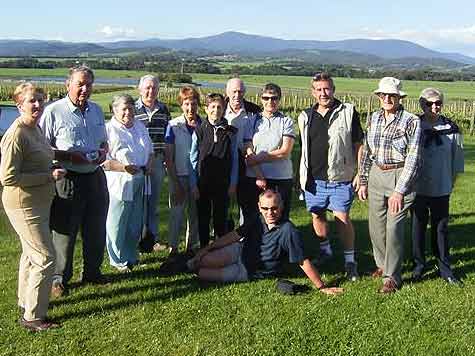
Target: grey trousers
(387, 230)
(177, 214)
(89, 213)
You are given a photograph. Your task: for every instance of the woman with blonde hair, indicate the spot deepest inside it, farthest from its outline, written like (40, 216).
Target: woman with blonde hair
(27, 176)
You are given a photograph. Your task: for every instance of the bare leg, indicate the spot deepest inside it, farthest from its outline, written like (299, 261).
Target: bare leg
(345, 230)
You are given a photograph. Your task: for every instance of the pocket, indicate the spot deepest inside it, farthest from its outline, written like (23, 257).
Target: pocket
(399, 142)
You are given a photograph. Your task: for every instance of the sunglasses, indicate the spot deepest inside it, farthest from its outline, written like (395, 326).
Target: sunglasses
(267, 98)
(272, 209)
(437, 103)
(391, 96)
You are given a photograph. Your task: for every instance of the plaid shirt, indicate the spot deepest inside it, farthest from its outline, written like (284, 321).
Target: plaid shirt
(392, 141)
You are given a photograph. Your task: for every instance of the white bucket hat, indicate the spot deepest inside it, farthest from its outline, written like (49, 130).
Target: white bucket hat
(390, 85)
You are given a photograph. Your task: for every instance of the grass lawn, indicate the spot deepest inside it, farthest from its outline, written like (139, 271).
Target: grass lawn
(452, 90)
(144, 313)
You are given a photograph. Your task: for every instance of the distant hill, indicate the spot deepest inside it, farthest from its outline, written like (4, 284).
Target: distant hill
(351, 51)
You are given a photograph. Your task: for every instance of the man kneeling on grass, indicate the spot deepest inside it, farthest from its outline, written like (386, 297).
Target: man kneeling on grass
(257, 249)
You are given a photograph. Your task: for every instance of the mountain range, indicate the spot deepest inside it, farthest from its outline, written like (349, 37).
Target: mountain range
(367, 51)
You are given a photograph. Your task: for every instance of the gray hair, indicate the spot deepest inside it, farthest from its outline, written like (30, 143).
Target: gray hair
(80, 68)
(122, 99)
(148, 77)
(432, 93)
(235, 79)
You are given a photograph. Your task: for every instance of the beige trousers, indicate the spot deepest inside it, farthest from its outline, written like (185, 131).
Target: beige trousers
(36, 261)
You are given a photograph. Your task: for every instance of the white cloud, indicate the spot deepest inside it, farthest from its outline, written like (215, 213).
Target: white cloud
(111, 32)
(459, 39)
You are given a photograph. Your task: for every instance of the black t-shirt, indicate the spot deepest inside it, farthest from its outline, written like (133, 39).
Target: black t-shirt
(318, 139)
(265, 251)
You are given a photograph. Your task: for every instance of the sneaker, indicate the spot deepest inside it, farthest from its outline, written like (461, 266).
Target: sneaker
(57, 290)
(351, 271)
(158, 247)
(124, 269)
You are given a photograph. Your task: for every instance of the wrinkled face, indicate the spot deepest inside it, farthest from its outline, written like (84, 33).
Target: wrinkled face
(149, 91)
(235, 93)
(124, 113)
(270, 208)
(434, 106)
(270, 102)
(79, 88)
(389, 102)
(215, 111)
(32, 105)
(190, 108)
(323, 92)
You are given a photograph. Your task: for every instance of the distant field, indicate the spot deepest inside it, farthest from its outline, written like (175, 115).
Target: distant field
(453, 90)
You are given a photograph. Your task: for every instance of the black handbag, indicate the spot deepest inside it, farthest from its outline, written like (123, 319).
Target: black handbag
(147, 238)
(62, 206)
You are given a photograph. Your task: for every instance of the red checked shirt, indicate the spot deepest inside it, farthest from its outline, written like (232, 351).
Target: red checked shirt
(396, 139)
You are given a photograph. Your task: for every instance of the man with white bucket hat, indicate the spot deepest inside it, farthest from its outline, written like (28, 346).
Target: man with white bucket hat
(388, 169)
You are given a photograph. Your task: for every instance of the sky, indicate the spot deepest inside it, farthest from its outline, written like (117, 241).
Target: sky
(442, 25)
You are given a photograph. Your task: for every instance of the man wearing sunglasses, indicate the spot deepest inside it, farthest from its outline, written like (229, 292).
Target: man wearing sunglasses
(256, 250)
(331, 138)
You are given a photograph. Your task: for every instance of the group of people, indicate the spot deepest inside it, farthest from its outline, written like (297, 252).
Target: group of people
(64, 169)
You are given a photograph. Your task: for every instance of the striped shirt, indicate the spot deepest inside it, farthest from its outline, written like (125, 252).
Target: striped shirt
(156, 122)
(394, 140)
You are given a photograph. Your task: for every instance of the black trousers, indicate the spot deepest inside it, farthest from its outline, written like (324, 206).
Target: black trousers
(438, 209)
(90, 202)
(250, 196)
(217, 203)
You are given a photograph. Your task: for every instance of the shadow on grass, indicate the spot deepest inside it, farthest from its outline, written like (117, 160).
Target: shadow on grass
(164, 290)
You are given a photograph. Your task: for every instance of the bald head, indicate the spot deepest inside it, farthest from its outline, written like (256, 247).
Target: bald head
(235, 91)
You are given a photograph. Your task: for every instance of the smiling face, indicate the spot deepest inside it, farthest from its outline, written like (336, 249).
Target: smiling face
(433, 107)
(389, 102)
(79, 88)
(270, 102)
(190, 108)
(235, 92)
(124, 113)
(270, 206)
(148, 92)
(215, 111)
(31, 106)
(323, 91)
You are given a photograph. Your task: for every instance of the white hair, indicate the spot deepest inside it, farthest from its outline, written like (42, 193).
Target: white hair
(148, 77)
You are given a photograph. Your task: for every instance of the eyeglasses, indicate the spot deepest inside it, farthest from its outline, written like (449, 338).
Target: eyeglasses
(272, 209)
(391, 96)
(437, 103)
(267, 98)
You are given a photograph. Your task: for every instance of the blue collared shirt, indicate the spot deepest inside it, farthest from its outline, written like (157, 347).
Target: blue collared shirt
(67, 128)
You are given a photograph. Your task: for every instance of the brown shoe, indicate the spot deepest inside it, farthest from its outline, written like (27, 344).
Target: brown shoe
(377, 273)
(389, 287)
(57, 290)
(38, 325)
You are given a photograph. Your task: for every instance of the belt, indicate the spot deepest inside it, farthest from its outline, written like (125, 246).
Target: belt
(387, 167)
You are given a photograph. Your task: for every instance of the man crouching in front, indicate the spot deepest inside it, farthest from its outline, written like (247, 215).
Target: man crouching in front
(256, 250)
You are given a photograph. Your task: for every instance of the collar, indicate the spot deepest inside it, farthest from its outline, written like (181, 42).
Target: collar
(230, 111)
(266, 227)
(73, 107)
(141, 105)
(116, 123)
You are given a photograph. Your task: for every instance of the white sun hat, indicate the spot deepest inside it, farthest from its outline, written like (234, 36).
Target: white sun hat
(390, 85)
